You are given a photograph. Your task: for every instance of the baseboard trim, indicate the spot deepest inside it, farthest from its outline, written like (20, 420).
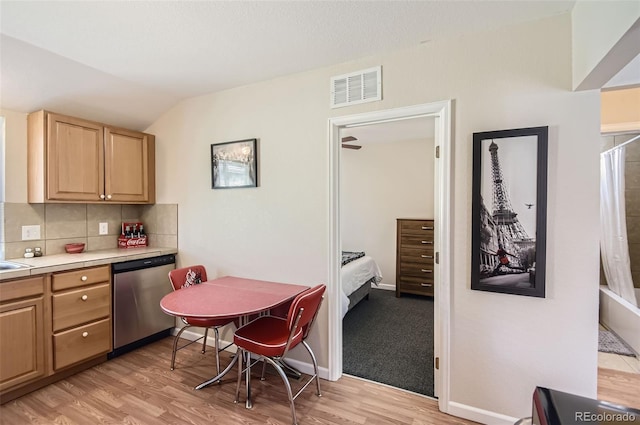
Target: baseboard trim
(304, 367)
(479, 415)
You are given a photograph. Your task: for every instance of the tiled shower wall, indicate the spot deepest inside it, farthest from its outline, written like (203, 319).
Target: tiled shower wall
(65, 223)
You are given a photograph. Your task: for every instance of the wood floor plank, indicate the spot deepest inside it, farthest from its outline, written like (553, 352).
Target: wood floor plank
(619, 387)
(138, 388)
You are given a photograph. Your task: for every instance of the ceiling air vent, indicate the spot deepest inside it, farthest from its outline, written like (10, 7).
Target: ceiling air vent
(356, 87)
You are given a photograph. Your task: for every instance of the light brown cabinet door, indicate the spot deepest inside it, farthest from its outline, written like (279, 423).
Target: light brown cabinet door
(22, 336)
(75, 159)
(128, 166)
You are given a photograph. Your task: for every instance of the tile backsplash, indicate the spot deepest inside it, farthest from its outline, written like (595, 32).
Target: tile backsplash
(64, 223)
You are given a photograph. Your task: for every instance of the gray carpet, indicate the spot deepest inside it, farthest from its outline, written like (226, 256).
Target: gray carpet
(608, 342)
(390, 340)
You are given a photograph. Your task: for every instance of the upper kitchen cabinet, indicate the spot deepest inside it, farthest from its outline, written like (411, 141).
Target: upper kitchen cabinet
(75, 160)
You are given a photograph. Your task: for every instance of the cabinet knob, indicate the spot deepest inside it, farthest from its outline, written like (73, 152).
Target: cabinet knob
(427, 228)
(426, 271)
(428, 285)
(426, 256)
(102, 196)
(85, 334)
(427, 242)
(108, 196)
(83, 278)
(84, 298)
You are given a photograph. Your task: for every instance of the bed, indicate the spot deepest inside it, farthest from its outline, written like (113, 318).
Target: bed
(358, 272)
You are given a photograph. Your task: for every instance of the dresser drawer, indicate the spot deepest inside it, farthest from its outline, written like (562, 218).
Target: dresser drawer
(72, 308)
(78, 278)
(422, 255)
(419, 227)
(416, 286)
(84, 342)
(414, 241)
(417, 270)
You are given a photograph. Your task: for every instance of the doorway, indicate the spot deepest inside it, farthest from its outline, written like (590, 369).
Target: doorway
(441, 113)
(386, 176)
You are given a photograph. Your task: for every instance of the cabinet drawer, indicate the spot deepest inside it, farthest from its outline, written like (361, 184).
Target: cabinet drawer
(21, 288)
(80, 306)
(82, 277)
(81, 343)
(416, 227)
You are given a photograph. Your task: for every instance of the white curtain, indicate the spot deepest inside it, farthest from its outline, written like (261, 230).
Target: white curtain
(614, 246)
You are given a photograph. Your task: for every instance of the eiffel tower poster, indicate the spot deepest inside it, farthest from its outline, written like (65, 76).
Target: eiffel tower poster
(509, 211)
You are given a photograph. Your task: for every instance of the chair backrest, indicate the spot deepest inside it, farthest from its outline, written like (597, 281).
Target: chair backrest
(309, 301)
(187, 276)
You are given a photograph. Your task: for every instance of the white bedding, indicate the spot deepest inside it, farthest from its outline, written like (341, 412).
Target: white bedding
(354, 274)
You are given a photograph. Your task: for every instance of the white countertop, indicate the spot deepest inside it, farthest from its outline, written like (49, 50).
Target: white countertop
(61, 262)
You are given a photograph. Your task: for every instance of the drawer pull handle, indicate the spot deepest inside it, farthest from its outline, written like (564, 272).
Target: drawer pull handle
(426, 256)
(428, 285)
(84, 298)
(426, 271)
(85, 334)
(83, 278)
(427, 242)
(427, 228)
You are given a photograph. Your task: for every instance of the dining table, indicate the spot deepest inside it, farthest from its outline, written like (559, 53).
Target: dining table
(228, 297)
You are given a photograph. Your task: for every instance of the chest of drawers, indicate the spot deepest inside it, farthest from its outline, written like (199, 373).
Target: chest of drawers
(414, 257)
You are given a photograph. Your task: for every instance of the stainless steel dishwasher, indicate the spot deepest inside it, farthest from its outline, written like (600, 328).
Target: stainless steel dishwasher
(138, 287)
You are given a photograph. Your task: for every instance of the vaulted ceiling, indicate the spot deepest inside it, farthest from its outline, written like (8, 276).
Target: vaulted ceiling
(127, 62)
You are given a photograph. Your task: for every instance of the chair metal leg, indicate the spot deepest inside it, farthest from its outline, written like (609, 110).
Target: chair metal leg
(248, 404)
(175, 345)
(216, 343)
(315, 367)
(204, 340)
(264, 370)
(240, 361)
(287, 386)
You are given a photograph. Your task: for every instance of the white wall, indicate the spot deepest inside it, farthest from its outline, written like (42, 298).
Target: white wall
(380, 183)
(502, 345)
(605, 38)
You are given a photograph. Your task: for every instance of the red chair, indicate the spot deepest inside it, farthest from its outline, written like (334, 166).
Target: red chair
(271, 338)
(183, 278)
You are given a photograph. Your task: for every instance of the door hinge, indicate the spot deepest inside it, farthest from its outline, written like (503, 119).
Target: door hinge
(437, 151)
(437, 258)
(437, 361)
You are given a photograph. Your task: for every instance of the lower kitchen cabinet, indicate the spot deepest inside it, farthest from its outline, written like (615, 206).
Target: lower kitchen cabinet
(81, 315)
(53, 326)
(22, 331)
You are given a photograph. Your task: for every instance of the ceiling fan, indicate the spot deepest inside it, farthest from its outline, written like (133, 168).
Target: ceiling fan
(347, 139)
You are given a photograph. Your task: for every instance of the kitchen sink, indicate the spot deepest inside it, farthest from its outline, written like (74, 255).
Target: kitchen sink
(10, 265)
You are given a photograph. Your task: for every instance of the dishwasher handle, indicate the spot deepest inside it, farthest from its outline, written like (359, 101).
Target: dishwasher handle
(144, 263)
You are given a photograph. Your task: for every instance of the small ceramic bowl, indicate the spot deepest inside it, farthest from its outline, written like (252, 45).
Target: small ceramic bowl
(74, 248)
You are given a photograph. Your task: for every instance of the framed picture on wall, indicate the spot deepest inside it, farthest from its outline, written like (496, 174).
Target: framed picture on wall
(509, 213)
(234, 164)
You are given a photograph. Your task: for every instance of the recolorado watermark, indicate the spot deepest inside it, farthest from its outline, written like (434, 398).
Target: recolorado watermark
(605, 417)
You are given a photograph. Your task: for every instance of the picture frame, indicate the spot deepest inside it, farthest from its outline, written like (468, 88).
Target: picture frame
(509, 211)
(234, 164)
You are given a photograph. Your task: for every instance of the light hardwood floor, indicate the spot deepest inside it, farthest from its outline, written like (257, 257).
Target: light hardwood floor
(139, 388)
